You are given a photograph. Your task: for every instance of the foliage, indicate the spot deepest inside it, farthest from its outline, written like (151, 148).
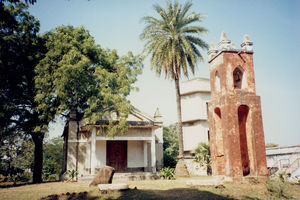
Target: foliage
(269, 145)
(16, 156)
(20, 51)
(3, 178)
(203, 156)
(173, 40)
(77, 75)
(21, 177)
(170, 145)
(72, 173)
(167, 173)
(53, 158)
(276, 188)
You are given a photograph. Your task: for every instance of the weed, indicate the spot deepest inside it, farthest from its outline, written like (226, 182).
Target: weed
(167, 173)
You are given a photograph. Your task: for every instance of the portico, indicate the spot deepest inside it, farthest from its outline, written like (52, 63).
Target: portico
(139, 150)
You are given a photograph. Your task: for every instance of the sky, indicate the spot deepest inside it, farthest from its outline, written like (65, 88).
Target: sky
(272, 25)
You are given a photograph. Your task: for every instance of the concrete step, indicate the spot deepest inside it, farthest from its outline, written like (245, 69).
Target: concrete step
(132, 176)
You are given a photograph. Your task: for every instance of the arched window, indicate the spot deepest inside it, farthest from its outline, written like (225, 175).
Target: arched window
(237, 78)
(217, 82)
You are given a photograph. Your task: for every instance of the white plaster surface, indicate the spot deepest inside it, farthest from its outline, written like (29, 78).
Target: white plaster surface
(194, 168)
(100, 154)
(194, 106)
(285, 158)
(135, 154)
(195, 85)
(194, 133)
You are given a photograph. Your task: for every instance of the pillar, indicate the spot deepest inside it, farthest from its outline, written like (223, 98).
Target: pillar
(93, 151)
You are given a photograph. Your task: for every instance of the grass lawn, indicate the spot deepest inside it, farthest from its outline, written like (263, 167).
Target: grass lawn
(157, 189)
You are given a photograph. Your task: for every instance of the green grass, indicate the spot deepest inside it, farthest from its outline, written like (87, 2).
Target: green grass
(158, 189)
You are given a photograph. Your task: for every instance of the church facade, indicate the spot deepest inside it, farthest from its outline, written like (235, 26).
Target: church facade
(87, 149)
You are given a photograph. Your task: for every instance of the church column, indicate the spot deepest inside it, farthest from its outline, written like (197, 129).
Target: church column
(145, 156)
(88, 157)
(153, 154)
(93, 151)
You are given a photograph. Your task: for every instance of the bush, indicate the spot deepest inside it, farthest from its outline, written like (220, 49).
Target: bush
(276, 188)
(167, 173)
(3, 178)
(53, 177)
(21, 177)
(203, 157)
(72, 173)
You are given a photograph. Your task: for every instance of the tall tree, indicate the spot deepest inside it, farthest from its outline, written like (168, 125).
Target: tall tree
(20, 51)
(77, 76)
(173, 41)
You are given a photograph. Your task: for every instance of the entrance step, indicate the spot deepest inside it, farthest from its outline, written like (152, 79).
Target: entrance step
(131, 176)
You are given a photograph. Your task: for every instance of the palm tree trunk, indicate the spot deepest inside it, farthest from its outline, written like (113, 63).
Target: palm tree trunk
(180, 136)
(181, 169)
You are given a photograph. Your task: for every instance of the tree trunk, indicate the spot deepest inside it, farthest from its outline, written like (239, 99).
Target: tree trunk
(38, 157)
(181, 169)
(180, 136)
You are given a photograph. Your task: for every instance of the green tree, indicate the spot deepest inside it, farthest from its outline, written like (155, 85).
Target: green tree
(170, 145)
(203, 156)
(77, 76)
(53, 157)
(173, 42)
(16, 155)
(20, 51)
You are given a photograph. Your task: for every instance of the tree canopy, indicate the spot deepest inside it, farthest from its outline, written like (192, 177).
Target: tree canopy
(76, 75)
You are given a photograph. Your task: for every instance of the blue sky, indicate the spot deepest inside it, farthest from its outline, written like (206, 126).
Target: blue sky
(272, 25)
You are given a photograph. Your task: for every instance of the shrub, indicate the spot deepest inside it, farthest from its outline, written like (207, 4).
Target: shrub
(53, 177)
(3, 178)
(203, 157)
(276, 188)
(167, 173)
(72, 173)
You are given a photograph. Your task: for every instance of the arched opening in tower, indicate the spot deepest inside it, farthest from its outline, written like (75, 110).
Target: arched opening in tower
(237, 78)
(243, 111)
(219, 142)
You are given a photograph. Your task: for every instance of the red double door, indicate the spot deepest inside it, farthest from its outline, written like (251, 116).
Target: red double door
(116, 155)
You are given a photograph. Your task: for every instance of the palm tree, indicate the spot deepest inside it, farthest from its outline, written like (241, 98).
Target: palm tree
(203, 156)
(172, 41)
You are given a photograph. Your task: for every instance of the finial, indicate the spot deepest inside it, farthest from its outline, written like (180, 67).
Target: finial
(212, 51)
(247, 44)
(157, 113)
(224, 42)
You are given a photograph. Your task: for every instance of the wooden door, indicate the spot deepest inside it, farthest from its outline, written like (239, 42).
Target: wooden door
(116, 155)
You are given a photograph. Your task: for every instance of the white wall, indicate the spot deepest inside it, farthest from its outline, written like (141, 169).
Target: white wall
(100, 153)
(194, 106)
(135, 154)
(195, 85)
(194, 133)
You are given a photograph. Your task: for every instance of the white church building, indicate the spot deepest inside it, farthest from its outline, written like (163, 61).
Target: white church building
(195, 95)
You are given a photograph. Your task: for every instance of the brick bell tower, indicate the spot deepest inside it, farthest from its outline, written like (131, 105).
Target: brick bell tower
(235, 119)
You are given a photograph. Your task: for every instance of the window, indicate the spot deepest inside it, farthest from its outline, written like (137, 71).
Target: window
(237, 78)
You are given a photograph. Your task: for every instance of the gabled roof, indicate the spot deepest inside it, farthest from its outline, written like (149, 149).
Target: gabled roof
(136, 118)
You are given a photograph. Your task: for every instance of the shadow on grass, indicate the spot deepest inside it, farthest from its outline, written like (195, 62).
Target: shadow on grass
(18, 184)
(173, 194)
(72, 196)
